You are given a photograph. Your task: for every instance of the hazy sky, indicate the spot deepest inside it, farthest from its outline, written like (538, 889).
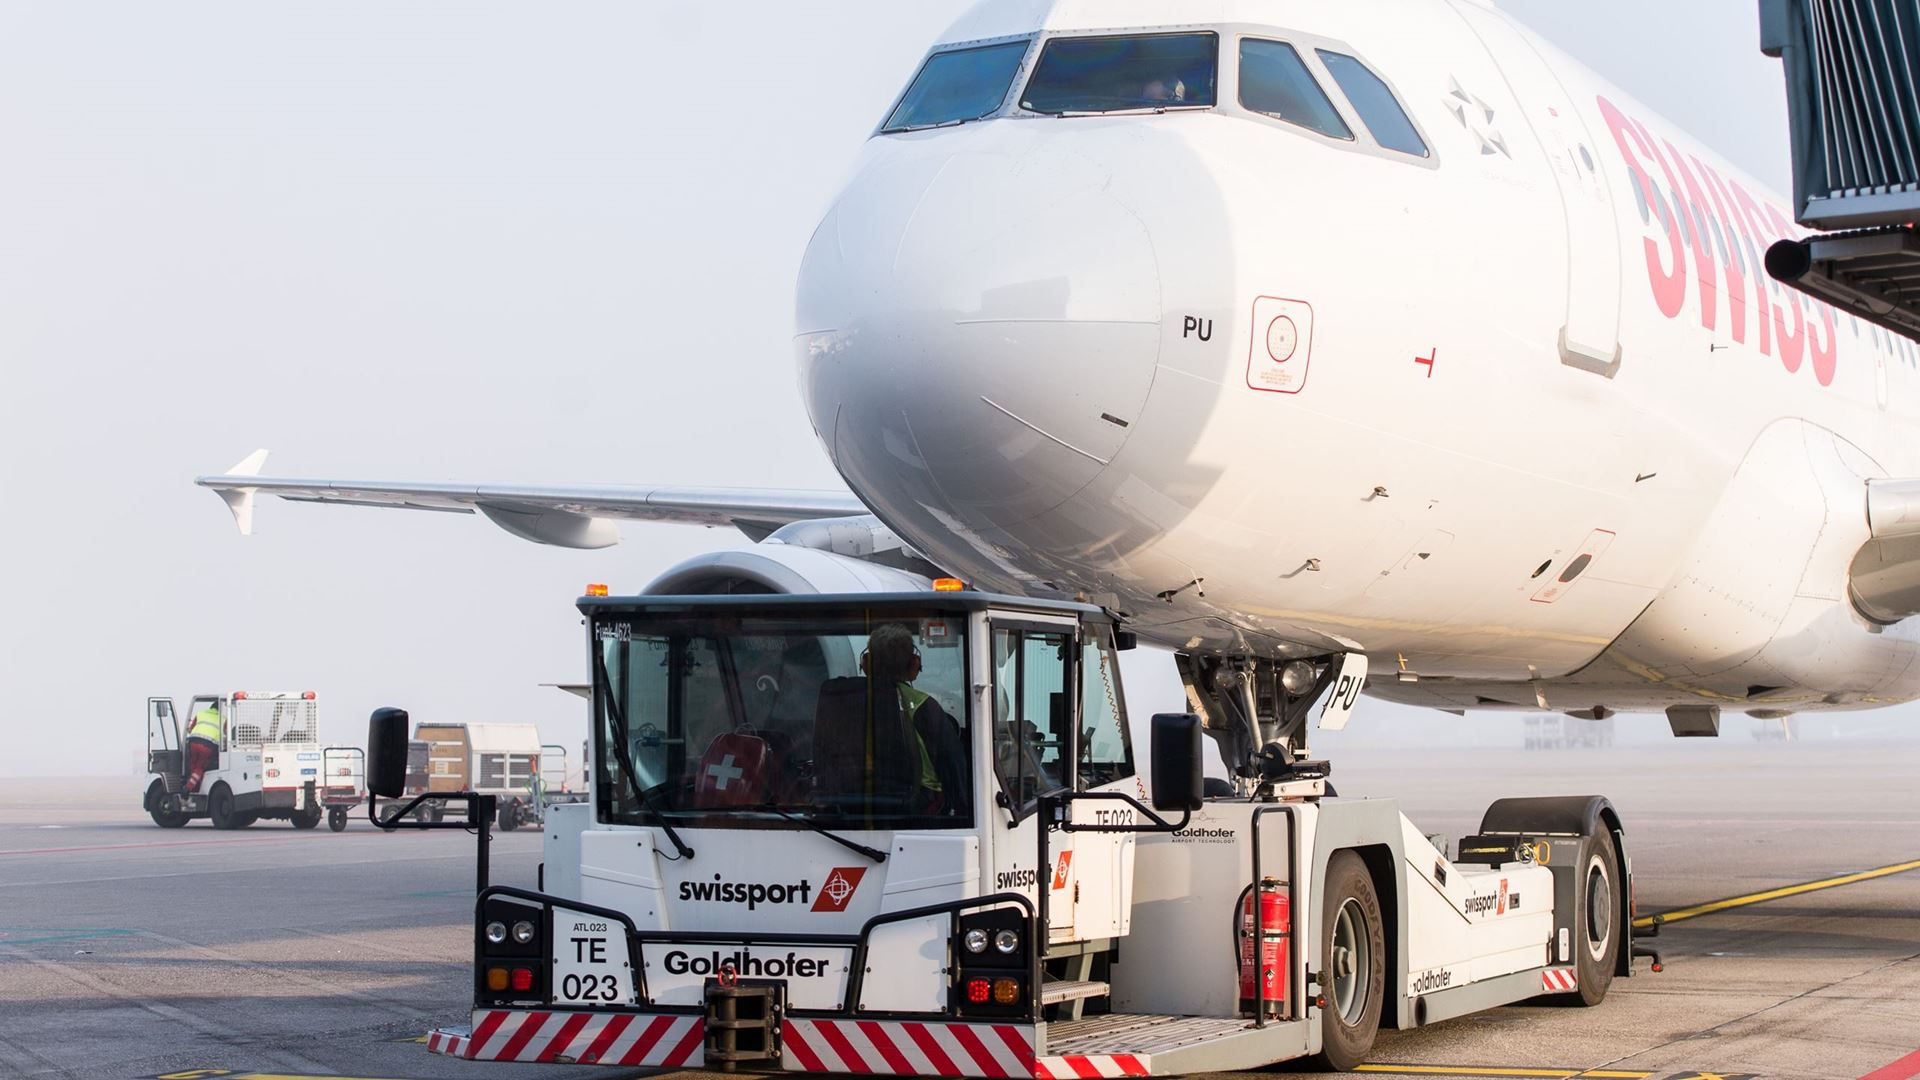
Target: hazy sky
(450, 241)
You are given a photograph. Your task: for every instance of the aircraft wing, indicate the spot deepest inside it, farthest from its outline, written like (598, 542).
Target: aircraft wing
(565, 515)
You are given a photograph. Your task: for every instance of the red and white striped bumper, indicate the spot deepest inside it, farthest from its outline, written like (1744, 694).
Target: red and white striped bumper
(912, 1048)
(1558, 981)
(575, 1037)
(901, 1048)
(907, 1048)
(896, 1047)
(1073, 1066)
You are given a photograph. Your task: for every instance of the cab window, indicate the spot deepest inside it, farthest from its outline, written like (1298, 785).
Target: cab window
(1032, 711)
(1123, 72)
(958, 85)
(756, 720)
(1374, 101)
(1275, 81)
(1105, 753)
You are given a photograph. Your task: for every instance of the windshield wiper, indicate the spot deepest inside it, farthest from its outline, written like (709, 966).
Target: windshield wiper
(626, 761)
(873, 853)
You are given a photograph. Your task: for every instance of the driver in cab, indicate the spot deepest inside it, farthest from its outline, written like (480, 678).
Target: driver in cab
(880, 738)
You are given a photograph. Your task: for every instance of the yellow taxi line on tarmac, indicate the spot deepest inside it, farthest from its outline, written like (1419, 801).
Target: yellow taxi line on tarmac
(1774, 894)
(298, 1076)
(228, 1074)
(1472, 1070)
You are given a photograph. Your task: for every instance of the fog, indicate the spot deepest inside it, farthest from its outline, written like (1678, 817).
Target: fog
(470, 241)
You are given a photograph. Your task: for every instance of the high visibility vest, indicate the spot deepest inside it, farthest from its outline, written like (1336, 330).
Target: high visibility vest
(206, 725)
(910, 702)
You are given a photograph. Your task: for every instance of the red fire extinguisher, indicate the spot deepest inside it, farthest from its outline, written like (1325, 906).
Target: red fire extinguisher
(1271, 969)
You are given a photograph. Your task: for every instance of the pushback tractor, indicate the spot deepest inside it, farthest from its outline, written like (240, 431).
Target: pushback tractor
(910, 833)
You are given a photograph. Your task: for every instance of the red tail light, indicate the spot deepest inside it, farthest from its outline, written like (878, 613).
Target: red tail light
(979, 991)
(523, 979)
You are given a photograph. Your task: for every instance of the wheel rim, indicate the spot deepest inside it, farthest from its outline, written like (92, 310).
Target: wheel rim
(1352, 962)
(1599, 908)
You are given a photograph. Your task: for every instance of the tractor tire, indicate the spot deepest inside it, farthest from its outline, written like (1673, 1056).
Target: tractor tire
(241, 821)
(1353, 962)
(337, 819)
(509, 816)
(1598, 931)
(166, 819)
(306, 819)
(220, 809)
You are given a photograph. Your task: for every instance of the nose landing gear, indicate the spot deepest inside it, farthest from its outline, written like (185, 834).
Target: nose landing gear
(1256, 711)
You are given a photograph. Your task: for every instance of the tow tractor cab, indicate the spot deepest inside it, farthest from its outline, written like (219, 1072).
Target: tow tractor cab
(267, 762)
(909, 833)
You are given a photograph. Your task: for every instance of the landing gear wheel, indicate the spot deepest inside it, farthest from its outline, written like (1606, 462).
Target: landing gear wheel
(306, 819)
(156, 799)
(1353, 971)
(337, 819)
(220, 809)
(1597, 934)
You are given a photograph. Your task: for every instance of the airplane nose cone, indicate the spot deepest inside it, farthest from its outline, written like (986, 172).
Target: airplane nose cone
(977, 331)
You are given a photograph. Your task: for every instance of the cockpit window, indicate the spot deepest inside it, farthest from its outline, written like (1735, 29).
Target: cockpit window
(1375, 103)
(1117, 74)
(1274, 80)
(958, 85)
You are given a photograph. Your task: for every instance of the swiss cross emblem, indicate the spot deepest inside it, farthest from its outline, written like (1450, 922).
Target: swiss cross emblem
(839, 887)
(724, 772)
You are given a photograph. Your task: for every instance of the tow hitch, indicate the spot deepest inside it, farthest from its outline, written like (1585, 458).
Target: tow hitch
(743, 1020)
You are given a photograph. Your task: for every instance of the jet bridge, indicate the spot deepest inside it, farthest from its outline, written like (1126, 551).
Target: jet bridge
(1853, 107)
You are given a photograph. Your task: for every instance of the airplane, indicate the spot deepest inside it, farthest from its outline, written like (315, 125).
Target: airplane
(1316, 337)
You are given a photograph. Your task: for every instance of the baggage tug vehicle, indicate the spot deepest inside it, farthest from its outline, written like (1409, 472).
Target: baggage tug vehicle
(908, 833)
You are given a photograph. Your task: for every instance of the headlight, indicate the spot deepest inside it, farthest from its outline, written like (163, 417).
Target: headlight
(1007, 941)
(522, 932)
(1298, 676)
(976, 941)
(497, 932)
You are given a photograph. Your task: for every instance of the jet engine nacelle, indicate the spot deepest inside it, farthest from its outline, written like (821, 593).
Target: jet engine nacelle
(772, 567)
(1762, 610)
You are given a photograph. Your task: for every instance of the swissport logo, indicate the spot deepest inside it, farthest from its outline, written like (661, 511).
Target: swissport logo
(750, 893)
(839, 888)
(1495, 902)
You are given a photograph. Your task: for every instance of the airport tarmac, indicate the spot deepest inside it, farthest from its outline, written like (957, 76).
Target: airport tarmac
(130, 951)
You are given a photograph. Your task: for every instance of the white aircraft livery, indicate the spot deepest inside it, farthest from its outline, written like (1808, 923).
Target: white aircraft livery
(1319, 330)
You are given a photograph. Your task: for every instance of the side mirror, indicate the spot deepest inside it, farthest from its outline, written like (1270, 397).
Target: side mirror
(1177, 780)
(1124, 640)
(387, 753)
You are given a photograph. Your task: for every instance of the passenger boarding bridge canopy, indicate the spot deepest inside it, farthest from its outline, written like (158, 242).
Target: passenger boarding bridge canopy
(1853, 108)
